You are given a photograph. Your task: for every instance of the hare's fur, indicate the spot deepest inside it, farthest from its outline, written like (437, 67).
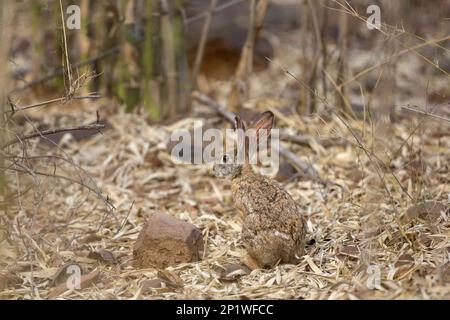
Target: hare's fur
(274, 228)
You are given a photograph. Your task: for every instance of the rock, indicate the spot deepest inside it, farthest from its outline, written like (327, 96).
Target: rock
(166, 241)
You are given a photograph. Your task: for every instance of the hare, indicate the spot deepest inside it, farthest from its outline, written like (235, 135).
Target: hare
(273, 228)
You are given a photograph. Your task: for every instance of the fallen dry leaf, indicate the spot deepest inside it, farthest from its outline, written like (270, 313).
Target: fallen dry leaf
(86, 281)
(104, 256)
(8, 279)
(152, 284)
(350, 251)
(233, 272)
(285, 172)
(429, 210)
(355, 175)
(92, 237)
(424, 240)
(404, 260)
(170, 278)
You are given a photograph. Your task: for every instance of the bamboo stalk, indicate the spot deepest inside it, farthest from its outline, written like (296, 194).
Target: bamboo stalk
(83, 38)
(168, 60)
(258, 10)
(59, 82)
(129, 87)
(6, 17)
(147, 61)
(343, 64)
(183, 88)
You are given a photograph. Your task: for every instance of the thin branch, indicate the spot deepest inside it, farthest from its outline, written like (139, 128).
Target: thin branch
(49, 102)
(53, 131)
(394, 56)
(425, 113)
(217, 9)
(69, 72)
(59, 72)
(51, 175)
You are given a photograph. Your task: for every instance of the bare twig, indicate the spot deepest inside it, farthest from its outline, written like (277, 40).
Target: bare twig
(378, 169)
(52, 101)
(53, 131)
(217, 9)
(432, 115)
(394, 56)
(58, 72)
(52, 175)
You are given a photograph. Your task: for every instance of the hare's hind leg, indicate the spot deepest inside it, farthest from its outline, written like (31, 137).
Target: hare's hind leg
(251, 262)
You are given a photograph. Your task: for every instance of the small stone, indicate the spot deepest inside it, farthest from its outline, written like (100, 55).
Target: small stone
(233, 272)
(166, 241)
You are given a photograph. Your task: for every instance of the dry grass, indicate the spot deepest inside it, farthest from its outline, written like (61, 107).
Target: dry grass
(352, 223)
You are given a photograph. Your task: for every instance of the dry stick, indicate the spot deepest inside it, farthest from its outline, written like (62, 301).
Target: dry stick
(346, 103)
(323, 44)
(69, 72)
(351, 11)
(380, 176)
(219, 8)
(59, 72)
(426, 113)
(15, 159)
(34, 174)
(312, 70)
(396, 55)
(45, 103)
(201, 47)
(93, 190)
(53, 131)
(306, 141)
(287, 154)
(359, 143)
(343, 64)
(304, 101)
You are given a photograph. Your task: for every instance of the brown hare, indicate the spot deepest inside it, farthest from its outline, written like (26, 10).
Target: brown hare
(273, 229)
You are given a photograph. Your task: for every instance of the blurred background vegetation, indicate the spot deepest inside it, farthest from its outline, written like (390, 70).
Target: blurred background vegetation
(149, 55)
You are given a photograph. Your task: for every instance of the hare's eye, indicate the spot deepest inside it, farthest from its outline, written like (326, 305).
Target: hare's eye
(225, 158)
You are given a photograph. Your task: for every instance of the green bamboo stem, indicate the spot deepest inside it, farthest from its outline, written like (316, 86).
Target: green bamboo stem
(147, 61)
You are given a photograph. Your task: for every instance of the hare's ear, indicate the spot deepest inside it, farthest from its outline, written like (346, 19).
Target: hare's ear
(265, 122)
(242, 139)
(238, 123)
